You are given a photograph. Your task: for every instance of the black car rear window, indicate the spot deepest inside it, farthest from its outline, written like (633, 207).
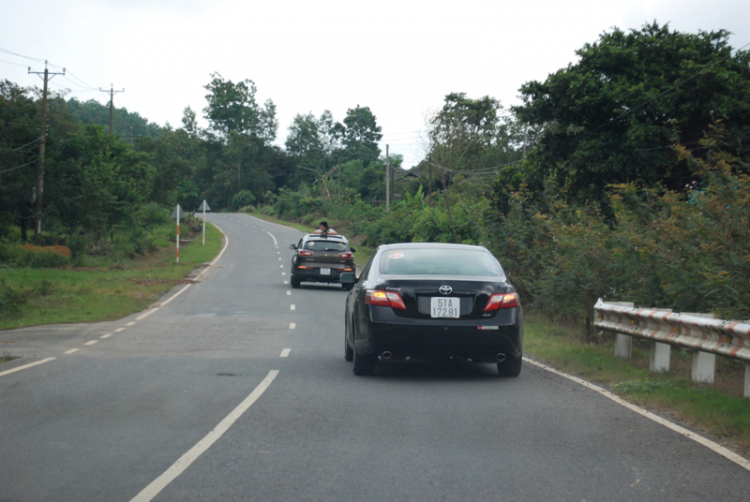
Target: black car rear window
(322, 245)
(439, 261)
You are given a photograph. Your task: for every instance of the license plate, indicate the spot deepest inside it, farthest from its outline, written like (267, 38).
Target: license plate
(445, 307)
(325, 271)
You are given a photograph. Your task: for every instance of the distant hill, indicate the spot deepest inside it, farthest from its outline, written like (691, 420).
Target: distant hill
(93, 112)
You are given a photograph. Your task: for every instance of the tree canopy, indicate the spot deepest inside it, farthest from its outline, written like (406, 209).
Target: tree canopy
(614, 115)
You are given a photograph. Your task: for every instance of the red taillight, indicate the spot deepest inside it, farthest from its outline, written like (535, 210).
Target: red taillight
(346, 256)
(305, 253)
(384, 299)
(502, 301)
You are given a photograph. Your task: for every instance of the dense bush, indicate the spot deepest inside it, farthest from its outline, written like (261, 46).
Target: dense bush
(242, 199)
(682, 251)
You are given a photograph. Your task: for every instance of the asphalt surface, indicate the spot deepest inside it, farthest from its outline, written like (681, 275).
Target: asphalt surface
(170, 409)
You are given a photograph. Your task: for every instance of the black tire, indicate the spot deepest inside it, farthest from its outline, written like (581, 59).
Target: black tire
(510, 368)
(295, 282)
(364, 365)
(347, 287)
(348, 351)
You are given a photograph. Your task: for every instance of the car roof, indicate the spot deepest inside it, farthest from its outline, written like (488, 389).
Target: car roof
(325, 237)
(432, 245)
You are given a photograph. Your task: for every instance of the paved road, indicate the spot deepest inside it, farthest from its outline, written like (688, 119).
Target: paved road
(195, 402)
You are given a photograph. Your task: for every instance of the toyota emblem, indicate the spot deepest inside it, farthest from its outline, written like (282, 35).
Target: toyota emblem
(446, 290)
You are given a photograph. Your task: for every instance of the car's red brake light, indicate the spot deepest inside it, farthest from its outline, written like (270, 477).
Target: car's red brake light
(305, 253)
(384, 299)
(346, 256)
(502, 301)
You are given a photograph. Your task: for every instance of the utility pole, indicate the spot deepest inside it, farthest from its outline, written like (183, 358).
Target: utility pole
(387, 180)
(42, 142)
(112, 92)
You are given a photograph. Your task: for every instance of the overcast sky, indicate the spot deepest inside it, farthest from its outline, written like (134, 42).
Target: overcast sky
(400, 58)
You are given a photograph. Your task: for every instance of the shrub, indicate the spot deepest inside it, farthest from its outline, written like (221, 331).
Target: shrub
(242, 199)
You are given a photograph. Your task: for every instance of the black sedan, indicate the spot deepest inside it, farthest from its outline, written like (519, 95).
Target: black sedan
(429, 300)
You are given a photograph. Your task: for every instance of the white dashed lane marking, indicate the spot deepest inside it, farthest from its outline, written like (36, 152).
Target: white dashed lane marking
(292, 325)
(119, 329)
(285, 353)
(71, 351)
(292, 307)
(27, 366)
(106, 336)
(289, 293)
(92, 342)
(130, 324)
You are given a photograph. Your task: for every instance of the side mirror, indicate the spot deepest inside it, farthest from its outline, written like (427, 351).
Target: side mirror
(292, 246)
(353, 250)
(347, 278)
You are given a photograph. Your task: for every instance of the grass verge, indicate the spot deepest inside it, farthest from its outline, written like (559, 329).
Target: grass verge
(102, 291)
(718, 409)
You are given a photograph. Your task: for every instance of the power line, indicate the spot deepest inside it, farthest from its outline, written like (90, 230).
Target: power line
(38, 60)
(17, 167)
(24, 146)
(14, 64)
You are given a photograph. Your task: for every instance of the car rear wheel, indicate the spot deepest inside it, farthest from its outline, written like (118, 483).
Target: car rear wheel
(347, 287)
(295, 282)
(364, 364)
(511, 367)
(348, 351)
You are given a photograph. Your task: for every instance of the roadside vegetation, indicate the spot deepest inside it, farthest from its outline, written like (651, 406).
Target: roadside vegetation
(101, 288)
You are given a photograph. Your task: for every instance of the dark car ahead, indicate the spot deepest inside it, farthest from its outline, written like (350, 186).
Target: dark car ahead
(321, 258)
(428, 300)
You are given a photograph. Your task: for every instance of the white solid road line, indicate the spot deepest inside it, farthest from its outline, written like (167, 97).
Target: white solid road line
(30, 365)
(204, 444)
(285, 353)
(275, 243)
(729, 455)
(198, 277)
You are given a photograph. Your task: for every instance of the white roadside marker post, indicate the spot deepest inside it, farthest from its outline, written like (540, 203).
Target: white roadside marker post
(178, 234)
(204, 222)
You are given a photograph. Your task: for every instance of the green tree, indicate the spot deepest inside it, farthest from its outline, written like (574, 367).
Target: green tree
(19, 153)
(613, 116)
(232, 108)
(360, 135)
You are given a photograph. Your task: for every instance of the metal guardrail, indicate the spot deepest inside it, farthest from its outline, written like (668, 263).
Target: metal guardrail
(707, 336)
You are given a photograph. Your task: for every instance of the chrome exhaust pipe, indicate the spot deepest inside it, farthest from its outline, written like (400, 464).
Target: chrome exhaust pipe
(501, 357)
(386, 354)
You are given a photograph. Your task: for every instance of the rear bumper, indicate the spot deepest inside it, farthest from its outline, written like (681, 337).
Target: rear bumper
(478, 340)
(314, 275)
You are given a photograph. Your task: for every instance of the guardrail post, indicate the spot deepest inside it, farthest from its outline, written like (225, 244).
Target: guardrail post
(704, 366)
(660, 353)
(747, 381)
(623, 346)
